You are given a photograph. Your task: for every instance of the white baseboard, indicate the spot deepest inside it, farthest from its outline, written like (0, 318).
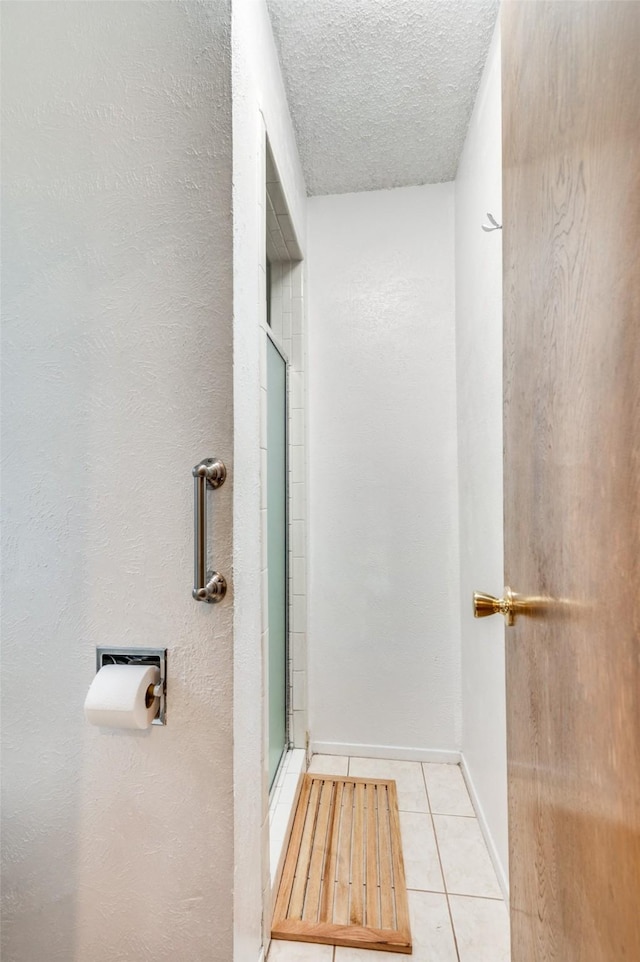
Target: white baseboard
(387, 751)
(501, 870)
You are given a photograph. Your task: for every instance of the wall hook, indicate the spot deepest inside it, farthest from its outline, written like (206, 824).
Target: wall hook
(492, 221)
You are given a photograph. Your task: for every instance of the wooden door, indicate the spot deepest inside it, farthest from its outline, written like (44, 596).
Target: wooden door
(571, 132)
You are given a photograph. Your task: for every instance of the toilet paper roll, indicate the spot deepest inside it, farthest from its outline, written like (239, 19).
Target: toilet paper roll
(119, 696)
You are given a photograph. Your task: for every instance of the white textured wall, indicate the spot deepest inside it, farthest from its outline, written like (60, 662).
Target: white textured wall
(479, 359)
(117, 330)
(259, 104)
(383, 584)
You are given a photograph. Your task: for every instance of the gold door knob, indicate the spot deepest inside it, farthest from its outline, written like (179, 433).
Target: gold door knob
(484, 605)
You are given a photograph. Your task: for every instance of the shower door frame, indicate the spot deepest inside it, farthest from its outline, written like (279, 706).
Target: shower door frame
(287, 589)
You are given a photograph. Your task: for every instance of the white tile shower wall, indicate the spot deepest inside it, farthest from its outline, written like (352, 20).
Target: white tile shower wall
(384, 650)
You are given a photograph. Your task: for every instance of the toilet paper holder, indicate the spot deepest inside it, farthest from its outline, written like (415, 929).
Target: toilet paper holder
(106, 655)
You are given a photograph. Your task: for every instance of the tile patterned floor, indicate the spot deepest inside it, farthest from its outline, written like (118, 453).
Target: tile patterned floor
(456, 907)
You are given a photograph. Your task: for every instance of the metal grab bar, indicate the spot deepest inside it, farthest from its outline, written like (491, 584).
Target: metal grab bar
(208, 586)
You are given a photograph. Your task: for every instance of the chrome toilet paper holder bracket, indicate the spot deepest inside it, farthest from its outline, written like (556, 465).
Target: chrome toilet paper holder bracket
(107, 655)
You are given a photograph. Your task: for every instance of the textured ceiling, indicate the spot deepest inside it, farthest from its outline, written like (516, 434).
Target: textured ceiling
(381, 91)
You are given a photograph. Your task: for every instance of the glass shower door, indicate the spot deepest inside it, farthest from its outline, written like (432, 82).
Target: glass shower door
(277, 552)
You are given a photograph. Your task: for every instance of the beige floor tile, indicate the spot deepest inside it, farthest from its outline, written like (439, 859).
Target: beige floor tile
(412, 796)
(465, 860)
(447, 791)
(482, 929)
(329, 765)
(421, 862)
(430, 930)
(281, 951)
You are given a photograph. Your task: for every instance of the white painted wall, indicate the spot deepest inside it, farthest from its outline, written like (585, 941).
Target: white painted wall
(117, 350)
(479, 363)
(384, 568)
(259, 106)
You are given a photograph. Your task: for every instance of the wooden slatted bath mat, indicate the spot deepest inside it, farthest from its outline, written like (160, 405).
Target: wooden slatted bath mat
(343, 880)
